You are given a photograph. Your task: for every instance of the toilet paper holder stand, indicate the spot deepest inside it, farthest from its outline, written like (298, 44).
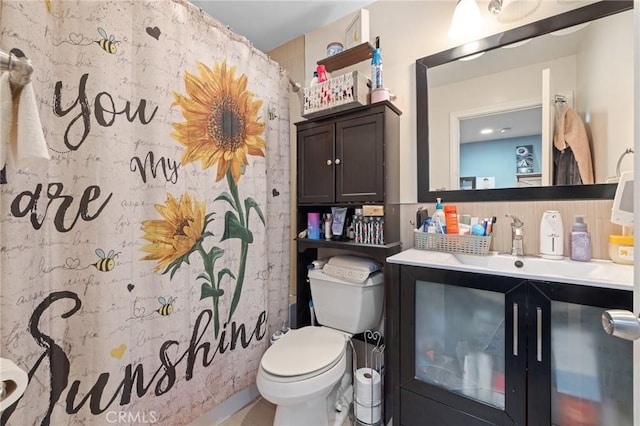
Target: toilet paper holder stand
(374, 362)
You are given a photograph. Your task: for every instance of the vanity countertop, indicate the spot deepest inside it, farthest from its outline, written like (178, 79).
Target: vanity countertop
(597, 273)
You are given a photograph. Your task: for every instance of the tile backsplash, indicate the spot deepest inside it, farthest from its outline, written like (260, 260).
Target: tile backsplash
(597, 214)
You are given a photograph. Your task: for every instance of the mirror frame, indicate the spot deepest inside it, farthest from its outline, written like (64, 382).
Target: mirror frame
(565, 192)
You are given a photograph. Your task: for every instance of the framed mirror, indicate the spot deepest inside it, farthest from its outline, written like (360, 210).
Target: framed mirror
(452, 91)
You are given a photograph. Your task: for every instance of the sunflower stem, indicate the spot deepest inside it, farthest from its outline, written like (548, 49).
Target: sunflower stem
(244, 248)
(234, 193)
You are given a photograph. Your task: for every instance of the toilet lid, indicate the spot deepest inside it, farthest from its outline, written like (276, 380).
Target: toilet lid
(303, 351)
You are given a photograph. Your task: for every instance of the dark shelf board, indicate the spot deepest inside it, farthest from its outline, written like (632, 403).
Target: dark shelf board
(377, 250)
(356, 54)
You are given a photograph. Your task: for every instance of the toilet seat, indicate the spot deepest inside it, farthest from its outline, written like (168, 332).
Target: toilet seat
(303, 353)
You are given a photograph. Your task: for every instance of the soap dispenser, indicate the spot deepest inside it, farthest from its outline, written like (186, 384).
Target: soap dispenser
(551, 232)
(439, 217)
(580, 244)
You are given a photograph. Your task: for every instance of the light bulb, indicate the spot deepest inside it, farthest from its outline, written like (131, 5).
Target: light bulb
(466, 19)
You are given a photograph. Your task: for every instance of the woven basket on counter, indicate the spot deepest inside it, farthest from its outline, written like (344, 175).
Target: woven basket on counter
(467, 244)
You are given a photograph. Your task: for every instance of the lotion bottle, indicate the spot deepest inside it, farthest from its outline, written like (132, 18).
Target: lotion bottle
(580, 241)
(551, 235)
(439, 218)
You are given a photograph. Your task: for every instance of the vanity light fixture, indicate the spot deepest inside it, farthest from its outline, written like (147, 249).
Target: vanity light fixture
(507, 11)
(495, 6)
(486, 131)
(466, 19)
(505, 130)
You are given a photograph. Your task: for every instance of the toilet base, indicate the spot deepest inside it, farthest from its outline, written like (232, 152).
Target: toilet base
(313, 412)
(318, 412)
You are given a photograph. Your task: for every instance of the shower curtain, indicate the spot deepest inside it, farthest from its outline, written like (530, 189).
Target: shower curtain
(142, 267)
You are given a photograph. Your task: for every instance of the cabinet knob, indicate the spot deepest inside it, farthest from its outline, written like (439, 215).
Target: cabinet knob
(329, 162)
(337, 161)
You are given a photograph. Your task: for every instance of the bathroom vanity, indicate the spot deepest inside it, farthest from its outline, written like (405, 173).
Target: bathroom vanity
(504, 340)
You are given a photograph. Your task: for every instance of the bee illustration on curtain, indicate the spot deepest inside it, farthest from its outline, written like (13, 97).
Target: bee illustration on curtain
(167, 306)
(108, 43)
(271, 112)
(106, 263)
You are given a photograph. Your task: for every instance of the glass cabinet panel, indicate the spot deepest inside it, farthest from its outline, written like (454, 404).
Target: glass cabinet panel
(591, 371)
(460, 341)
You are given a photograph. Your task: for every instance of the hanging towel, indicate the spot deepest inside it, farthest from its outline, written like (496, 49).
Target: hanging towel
(571, 133)
(27, 140)
(6, 116)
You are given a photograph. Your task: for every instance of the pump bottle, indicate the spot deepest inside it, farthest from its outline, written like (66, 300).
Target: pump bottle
(439, 218)
(580, 240)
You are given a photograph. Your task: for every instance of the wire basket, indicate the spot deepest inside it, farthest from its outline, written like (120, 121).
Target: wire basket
(451, 243)
(336, 94)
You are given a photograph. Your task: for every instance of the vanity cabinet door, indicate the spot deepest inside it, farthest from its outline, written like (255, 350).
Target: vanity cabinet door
(578, 374)
(359, 159)
(316, 156)
(463, 348)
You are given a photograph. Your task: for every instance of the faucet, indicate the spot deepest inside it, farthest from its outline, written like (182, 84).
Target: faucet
(516, 235)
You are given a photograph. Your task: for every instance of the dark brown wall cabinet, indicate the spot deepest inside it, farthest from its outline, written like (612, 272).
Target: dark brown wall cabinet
(350, 157)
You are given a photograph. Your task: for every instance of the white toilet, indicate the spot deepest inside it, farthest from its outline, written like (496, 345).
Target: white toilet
(307, 372)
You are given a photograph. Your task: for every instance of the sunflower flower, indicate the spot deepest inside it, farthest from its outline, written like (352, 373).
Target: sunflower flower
(177, 234)
(221, 124)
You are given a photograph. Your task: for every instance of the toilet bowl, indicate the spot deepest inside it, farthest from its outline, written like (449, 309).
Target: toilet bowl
(304, 373)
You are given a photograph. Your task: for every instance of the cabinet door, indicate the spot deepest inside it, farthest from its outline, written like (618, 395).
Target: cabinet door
(460, 348)
(579, 375)
(316, 182)
(359, 159)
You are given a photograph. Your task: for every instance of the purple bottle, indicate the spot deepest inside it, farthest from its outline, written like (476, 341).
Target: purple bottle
(580, 241)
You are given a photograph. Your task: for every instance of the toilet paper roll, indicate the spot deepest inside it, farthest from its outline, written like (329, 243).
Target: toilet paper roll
(368, 387)
(368, 415)
(14, 381)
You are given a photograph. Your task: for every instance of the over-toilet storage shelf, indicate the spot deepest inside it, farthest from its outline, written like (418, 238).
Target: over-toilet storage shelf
(348, 159)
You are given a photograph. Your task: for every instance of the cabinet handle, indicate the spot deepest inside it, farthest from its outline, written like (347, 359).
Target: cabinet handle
(539, 334)
(515, 329)
(337, 161)
(329, 162)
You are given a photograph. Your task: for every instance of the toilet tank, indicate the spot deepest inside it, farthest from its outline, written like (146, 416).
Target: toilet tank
(344, 305)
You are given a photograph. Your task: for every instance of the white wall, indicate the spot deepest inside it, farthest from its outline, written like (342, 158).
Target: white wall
(610, 103)
(410, 30)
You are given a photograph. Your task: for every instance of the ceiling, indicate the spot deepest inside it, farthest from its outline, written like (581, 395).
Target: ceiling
(268, 24)
(506, 125)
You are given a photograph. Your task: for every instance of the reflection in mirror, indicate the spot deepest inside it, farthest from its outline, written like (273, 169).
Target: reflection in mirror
(504, 146)
(522, 75)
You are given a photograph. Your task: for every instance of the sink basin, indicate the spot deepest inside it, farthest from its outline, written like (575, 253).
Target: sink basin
(600, 273)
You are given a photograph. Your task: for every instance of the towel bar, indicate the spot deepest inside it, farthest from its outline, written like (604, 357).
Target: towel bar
(20, 69)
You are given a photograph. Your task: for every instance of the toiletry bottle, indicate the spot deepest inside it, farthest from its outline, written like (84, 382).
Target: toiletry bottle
(327, 226)
(451, 218)
(439, 218)
(314, 79)
(322, 73)
(551, 235)
(376, 70)
(580, 241)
